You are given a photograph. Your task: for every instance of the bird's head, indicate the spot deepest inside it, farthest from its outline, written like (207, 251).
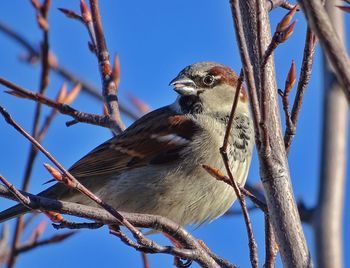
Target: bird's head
(208, 87)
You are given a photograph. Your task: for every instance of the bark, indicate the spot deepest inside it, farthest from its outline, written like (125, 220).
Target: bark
(274, 168)
(329, 212)
(321, 25)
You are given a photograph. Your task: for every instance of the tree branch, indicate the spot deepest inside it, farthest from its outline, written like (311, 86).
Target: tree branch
(328, 214)
(304, 78)
(321, 25)
(94, 119)
(274, 169)
(109, 86)
(155, 222)
(223, 150)
(42, 12)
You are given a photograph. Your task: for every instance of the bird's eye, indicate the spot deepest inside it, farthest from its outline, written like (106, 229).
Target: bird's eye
(208, 80)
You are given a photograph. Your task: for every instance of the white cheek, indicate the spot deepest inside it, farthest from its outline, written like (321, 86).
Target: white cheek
(217, 100)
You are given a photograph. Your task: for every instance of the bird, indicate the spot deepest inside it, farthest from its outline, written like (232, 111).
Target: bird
(155, 165)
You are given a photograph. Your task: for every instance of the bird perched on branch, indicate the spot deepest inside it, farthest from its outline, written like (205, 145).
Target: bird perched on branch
(155, 165)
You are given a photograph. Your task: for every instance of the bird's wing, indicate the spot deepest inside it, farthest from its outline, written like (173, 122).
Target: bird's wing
(156, 138)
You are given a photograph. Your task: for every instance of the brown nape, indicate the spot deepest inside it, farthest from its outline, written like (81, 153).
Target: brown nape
(227, 76)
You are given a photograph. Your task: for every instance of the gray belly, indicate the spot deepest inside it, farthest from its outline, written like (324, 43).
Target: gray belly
(186, 199)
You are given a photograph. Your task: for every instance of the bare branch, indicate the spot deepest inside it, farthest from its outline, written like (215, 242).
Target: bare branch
(109, 87)
(283, 31)
(232, 113)
(290, 81)
(42, 11)
(271, 248)
(329, 212)
(19, 39)
(77, 225)
(272, 4)
(156, 248)
(304, 78)
(94, 119)
(321, 25)
(23, 199)
(52, 240)
(223, 150)
(145, 260)
(4, 249)
(247, 67)
(273, 163)
(139, 220)
(217, 174)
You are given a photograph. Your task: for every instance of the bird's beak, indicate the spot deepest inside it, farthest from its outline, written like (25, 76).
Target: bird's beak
(184, 85)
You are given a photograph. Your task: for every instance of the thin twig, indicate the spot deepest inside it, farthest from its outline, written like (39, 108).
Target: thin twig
(42, 19)
(233, 110)
(156, 248)
(145, 260)
(109, 87)
(223, 151)
(271, 248)
(4, 248)
(20, 40)
(290, 81)
(77, 225)
(256, 201)
(283, 31)
(217, 174)
(94, 119)
(24, 200)
(304, 78)
(279, 3)
(52, 240)
(238, 212)
(62, 97)
(247, 67)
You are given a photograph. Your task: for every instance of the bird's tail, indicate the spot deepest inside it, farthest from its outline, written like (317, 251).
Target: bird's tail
(13, 212)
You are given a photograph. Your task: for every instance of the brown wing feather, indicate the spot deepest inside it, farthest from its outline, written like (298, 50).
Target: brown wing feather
(147, 141)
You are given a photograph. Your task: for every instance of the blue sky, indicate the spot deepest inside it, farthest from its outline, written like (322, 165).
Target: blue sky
(155, 40)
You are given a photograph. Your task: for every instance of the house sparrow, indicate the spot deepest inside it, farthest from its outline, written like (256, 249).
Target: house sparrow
(155, 165)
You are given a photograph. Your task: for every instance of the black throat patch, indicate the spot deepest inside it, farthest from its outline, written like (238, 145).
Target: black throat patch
(191, 104)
